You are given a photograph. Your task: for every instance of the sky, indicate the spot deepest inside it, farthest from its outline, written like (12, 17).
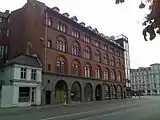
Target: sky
(110, 19)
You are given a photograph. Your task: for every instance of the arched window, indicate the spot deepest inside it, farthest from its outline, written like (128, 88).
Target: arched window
(87, 53)
(112, 61)
(61, 44)
(60, 66)
(106, 75)
(75, 49)
(119, 76)
(87, 70)
(75, 68)
(118, 63)
(106, 59)
(113, 75)
(97, 73)
(97, 56)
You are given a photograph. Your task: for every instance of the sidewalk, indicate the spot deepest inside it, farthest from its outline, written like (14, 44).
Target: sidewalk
(18, 110)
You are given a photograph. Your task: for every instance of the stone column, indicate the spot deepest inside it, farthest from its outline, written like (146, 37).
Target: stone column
(69, 96)
(38, 95)
(102, 92)
(82, 94)
(93, 94)
(53, 97)
(111, 92)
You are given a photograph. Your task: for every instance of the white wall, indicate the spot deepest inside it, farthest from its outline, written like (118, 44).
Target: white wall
(17, 72)
(7, 96)
(10, 93)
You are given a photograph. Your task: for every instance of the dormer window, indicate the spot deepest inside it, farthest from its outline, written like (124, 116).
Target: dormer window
(56, 9)
(66, 15)
(82, 23)
(89, 27)
(101, 34)
(74, 18)
(95, 30)
(50, 22)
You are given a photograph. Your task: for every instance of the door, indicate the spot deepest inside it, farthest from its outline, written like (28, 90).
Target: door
(48, 97)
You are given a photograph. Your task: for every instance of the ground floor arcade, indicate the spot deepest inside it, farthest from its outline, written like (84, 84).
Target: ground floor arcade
(61, 89)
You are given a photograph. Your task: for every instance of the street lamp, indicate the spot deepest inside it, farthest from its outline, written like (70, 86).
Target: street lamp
(142, 5)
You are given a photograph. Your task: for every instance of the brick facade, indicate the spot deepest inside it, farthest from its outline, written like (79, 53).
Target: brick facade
(35, 28)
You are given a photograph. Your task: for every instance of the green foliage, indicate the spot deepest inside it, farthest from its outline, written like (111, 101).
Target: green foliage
(152, 19)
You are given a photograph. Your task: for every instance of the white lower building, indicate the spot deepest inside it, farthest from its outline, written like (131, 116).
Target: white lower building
(21, 82)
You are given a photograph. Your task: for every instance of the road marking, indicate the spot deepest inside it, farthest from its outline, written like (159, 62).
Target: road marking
(69, 115)
(81, 113)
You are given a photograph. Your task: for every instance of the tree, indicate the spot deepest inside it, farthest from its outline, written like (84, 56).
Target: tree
(152, 19)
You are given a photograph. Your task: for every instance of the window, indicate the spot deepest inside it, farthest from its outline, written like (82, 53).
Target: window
(24, 94)
(97, 44)
(119, 76)
(87, 53)
(75, 33)
(7, 34)
(23, 73)
(97, 73)
(87, 70)
(61, 46)
(0, 19)
(60, 66)
(97, 56)
(106, 60)
(113, 75)
(50, 21)
(75, 49)
(33, 74)
(112, 61)
(118, 64)
(2, 50)
(111, 50)
(49, 67)
(105, 75)
(62, 27)
(86, 39)
(49, 44)
(105, 47)
(75, 69)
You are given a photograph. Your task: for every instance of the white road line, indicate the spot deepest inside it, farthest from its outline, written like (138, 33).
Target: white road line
(69, 115)
(80, 113)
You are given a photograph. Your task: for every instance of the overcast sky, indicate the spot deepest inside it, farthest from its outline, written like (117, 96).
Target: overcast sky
(110, 19)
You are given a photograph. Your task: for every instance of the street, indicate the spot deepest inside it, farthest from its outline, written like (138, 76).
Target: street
(145, 108)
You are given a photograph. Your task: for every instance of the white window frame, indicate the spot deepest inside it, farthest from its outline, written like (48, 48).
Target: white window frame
(23, 74)
(7, 34)
(49, 43)
(50, 21)
(97, 73)
(33, 74)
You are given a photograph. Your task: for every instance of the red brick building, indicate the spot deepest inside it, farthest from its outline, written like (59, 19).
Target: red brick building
(4, 36)
(79, 63)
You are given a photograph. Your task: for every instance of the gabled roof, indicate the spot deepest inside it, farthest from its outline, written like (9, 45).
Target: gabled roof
(25, 60)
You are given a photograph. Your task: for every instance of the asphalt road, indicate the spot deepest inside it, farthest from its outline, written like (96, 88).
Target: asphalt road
(145, 108)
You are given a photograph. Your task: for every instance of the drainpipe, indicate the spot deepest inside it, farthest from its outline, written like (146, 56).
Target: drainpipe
(45, 39)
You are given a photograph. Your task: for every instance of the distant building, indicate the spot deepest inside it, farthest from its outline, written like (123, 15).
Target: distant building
(4, 36)
(146, 79)
(20, 82)
(123, 41)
